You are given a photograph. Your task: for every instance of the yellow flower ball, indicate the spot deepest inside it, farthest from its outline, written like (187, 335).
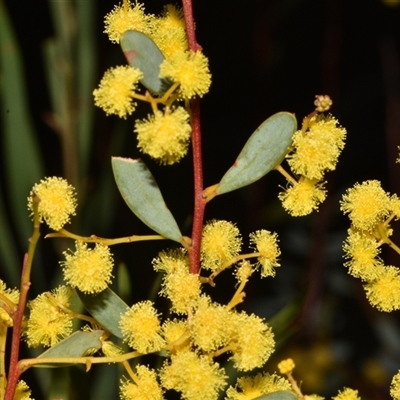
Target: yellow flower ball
(57, 201)
(89, 270)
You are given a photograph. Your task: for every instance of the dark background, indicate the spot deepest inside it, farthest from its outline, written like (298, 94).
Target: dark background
(267, 56)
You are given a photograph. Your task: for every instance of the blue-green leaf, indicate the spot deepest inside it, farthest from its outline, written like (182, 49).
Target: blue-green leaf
(75, 345)
(264, 150)
(142, 195)
(282, 395)
(106, 307)
(142, 53)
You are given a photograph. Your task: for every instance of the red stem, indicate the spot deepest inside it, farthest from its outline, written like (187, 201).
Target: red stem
(14, 371)
(189, 21)
(199, 203)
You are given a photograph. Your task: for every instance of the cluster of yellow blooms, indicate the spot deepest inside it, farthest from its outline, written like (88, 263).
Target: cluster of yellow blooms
(315, 150)
(165, 134)
(204, 329)
(371, 210)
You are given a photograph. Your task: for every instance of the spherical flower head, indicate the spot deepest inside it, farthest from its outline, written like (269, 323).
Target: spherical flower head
(244, 271)
(367, 204)
(251, 387)
(169, 31)
(363, 254)
(182, 288)
(266, 243)
(286, 366)
(190, 70)
(211, 326)
(384, 291)
(13, 296)
(165, 137)
(140, 326)
(116, 89)
(195, 376)
(145, 386)
(395, 387)
(179, 285)
(22, 391)
(127, 17)
(318, 149)
(252, 342)
(303, 197)
(322, 103)
(175, 333)
(48, 323)
(57, 201)
(347, 394)
(89, 270)
(221, 242)
(171, 261)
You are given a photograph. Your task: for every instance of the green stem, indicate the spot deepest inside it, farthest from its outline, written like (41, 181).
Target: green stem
(14, 371)
(105, 241)
(3, 378)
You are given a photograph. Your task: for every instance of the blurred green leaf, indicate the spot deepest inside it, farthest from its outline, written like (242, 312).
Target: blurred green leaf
(263, 151)
(143, 196)
(142, 53)
(22, 158)
(282, 395)
(8, 251)
(106, 307)
(75, 345)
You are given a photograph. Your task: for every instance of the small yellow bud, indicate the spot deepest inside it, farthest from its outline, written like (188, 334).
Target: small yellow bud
(286, 366)
(322, 103)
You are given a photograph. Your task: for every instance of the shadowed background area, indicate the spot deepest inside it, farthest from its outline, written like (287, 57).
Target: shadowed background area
(265, 57)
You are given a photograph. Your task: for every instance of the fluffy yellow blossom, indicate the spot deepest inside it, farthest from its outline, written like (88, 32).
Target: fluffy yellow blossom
(347, 394)
(127, 17)
(168, 31)
(211, 325)
(302, 198)
(57, 201)
(195, 376)
(87, 269)
(22, 391)
(9, 303)
(47, 323)
(179, 285)
(317, 150)
(140, 326)
(116, 89)
(190, 70)
(244, 271)
(395, 387)
(182, 288)
(220, 243)
(171, 261)
(252, 387)
(145, 386)
(384, 291)
(266, 243)
(367, 204)
(252, 342)
(165, 137)
(286, 366)
(362, 252)
(175, 333)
